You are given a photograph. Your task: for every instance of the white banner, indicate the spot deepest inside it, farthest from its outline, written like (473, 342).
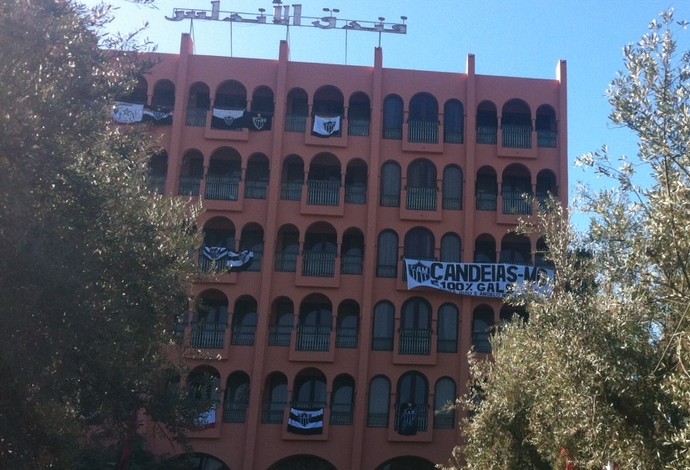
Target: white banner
(476, 279)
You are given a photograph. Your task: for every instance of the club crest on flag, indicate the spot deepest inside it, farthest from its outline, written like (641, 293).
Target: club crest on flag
(329, 126)
(419, 272)
(259, 122)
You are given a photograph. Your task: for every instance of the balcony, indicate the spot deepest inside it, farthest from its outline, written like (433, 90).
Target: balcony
(286, 262)
(546, 139)
(272, 412)
(346, 337)
(243, 335)
(422, 417)
(421, 198)
(424, 132)
(323, 193)
(222, 188)
(295, 123)
(235, 413)
(486, 135)
(255, 189)
(279, 335)
(358, 127)
(351, 264)
(208, 335)
(313, 338)
(291, 191)
(341, 414)
(355, 193)
(196, 117)
(517, 203)
(486, 201)
(318, 264)
(515, 136)
(189, 185)
(415, 341)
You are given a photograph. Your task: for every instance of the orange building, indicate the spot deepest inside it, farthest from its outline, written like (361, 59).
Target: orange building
(332, 176)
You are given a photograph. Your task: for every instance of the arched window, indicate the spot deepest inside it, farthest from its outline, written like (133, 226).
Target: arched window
(347, 326)
(485, 249)
(415, 327)
(487, 123)
(256, 181)
(342, 400)
(412, 403)
(487, 189)
(423, 123)
(444, 404)
(387, 254)
(453, 122)
(392, 117)
(421, 185)
(390, 185)
(447, 329)
(315, 324)
(211, 321)
(451, 248)
(203, 385)
(547, 127)
(452, 188)
(384, 324)
(309, 390)
(516, 122)
(379, 402)
(236, 398)
(244, 322)
(283, 318)
(419, 244)
(482, 326)
(275, 399)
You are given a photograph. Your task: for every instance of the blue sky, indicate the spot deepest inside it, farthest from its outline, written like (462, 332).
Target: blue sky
(524, 38)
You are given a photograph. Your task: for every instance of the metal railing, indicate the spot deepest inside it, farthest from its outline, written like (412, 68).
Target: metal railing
(358, 127)
(323, 193)
(453, 137)
(346, 337)
(318, 264)
(452, 203)
(189, 185)
(422, 417)
(156, 184)
(355, 193)
(444, 420)
(313, 338)
(295, 123)
(517, 203)
(415, 341)
(481, 342)
(235, 413)
(386, 270)
(546, 138)
(351, 264)
(291, 191)
(382, 343)
(390, 200)
(341, 413)
(208, 335)
(224, 188)
(272, 412)
(487, 135)
(279, 335)
(486, 201)
(517, 136)
(447, 345)
(377, 420)
(286, 262)
(392, 133)
(196, 117)
(207, 265)
(425, 132)
(255, 189)
(421, 198)
(243, 335)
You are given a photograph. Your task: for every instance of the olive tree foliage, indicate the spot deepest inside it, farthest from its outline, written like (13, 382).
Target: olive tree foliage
(601, 371)
(93, 269)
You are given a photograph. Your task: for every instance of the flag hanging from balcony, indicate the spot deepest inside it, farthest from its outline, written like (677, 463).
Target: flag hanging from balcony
(157, 116)
(305, 421)
(256, 121)
(227, 118)
(214, 253)
(239, 261)
(326, 126)
(127, 113)
(407, 420)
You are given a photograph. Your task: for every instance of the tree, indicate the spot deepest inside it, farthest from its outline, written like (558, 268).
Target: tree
(600, 373)
(93, 269)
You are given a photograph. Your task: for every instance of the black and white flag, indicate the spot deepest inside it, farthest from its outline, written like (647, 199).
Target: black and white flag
(239, 261)
(326, 126)
(256, 121)
(407, 420)
(127, 113)
(157, 116)
(305, 421)
(227, 118)
(214, 253)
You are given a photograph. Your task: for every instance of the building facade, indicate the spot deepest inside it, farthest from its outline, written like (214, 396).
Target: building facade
(332, 176)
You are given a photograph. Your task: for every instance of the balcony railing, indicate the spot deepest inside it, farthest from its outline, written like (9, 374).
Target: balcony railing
(444, 420)
(486, 201)
(481, 343)
(546, 139)
(235, 413)
(421, 198)
(208, 335)
(382, 344)
(355, 193)
(351, 264)
(447, 345)
(392, 133)
(156, 184)
(255, 266)
(295, 123)
(279, 335)
(386, 270)
(323, 193)
(358, 127)
(286, 262)
(422, 417)
(377, 420)
(452, 203)
(223, 188)
(291, 191)
(190, 185)
(313, 338)
(425, 132)
(346, 337)
(255, 189)
(243, 335)
(341, 413)
(390, 200)
(517, 203)
(415, 342)
(452, 137)
(517, 136)
(318, 264)
(486, 135)
(272, 412)
(207, 265)
(196, 117)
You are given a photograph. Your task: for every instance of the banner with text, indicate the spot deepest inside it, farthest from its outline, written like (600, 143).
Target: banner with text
(476, 279)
